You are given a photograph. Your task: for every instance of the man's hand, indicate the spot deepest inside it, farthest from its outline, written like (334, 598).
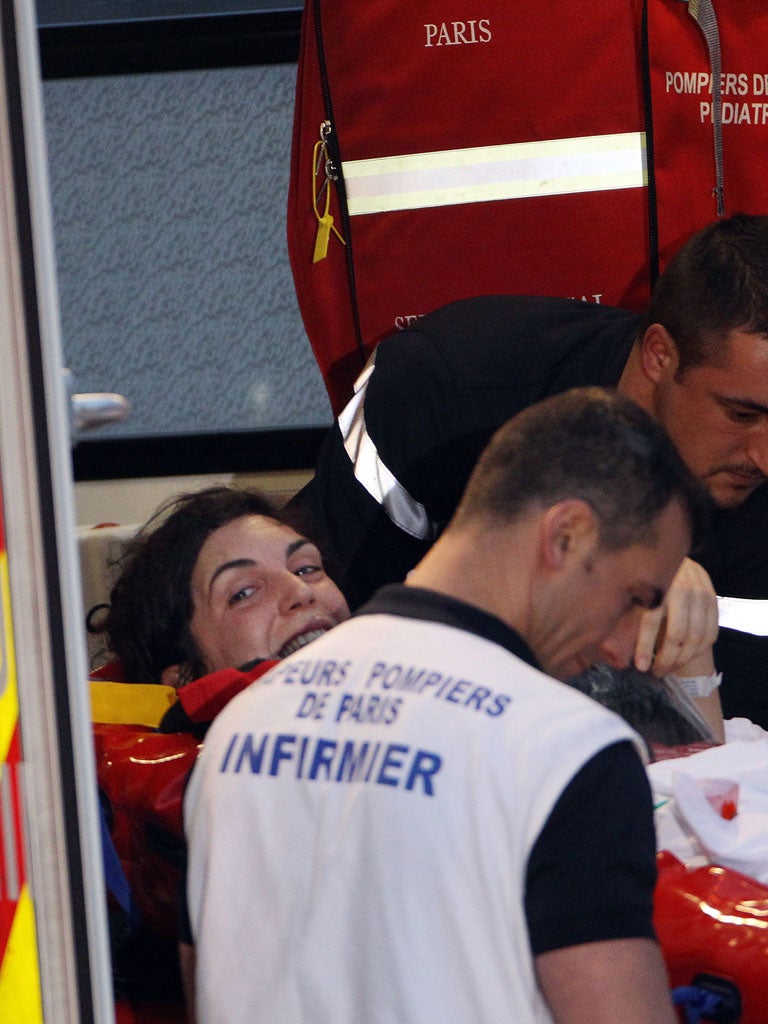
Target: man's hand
(683, 629)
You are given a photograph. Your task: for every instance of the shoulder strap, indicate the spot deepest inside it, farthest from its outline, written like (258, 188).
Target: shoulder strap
(703, 13)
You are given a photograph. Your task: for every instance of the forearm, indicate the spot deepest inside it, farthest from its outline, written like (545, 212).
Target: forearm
(709, 707)
(605, 982)
(711, 711)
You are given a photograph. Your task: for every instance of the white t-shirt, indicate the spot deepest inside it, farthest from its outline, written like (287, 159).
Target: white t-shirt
(360, 823)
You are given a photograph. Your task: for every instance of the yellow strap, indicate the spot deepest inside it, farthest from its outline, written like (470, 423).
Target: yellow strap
(20, 997)
(325, 225)
(130, 703)
(9, 706)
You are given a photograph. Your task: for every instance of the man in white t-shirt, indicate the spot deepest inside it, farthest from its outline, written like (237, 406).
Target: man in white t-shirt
(411, 819)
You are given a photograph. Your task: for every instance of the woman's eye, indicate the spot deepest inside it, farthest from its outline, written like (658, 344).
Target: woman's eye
(241, 594)
(743, 415)
(308, 570)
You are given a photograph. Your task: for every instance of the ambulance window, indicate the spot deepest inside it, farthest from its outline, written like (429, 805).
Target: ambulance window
(169, 147)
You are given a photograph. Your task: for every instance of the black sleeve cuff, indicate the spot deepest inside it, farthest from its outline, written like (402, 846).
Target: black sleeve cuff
(592, 871)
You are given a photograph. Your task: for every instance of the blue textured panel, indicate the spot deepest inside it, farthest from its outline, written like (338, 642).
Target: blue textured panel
(169, 197)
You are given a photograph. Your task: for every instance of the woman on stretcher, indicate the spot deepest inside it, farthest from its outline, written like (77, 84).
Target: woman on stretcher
(213, 589)
(218, 582)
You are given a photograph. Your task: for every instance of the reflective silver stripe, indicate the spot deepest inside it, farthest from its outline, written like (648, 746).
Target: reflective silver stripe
(10, 883)
(404, 511)
(744, 614)
(6, 635)
(486, 173)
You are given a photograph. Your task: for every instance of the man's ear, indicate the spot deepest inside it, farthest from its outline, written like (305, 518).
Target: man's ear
(568, 529)
(658, 354)
(174, 675)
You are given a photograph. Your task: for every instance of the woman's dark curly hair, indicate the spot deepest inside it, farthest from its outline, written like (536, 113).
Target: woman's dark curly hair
(147, 622)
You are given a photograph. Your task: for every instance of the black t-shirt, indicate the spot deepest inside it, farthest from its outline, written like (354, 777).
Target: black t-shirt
(438, 392)
(441, 389)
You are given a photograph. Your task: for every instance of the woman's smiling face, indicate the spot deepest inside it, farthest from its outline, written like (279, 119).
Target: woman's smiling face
(259, 590)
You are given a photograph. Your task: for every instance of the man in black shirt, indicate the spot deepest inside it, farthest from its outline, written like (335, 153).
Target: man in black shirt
(394, 465)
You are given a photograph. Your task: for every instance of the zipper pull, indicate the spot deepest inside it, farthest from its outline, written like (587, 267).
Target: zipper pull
(324, 226)
(322, 165)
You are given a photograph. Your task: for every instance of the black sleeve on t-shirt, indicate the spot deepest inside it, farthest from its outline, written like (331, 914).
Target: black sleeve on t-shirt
(362, 547)
(592, 870)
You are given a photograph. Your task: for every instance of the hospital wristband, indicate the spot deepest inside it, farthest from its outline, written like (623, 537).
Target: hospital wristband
(699, 686)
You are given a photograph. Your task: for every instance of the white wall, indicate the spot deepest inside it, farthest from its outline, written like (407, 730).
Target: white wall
(130, 502)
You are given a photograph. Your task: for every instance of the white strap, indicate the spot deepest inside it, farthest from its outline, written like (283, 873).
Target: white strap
(370, 470)
(744, 614)
(698, 686)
